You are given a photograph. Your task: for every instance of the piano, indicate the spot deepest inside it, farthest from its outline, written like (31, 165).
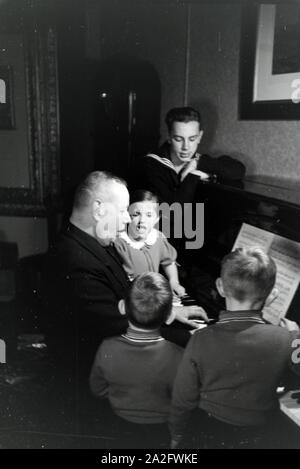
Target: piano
(265, 202)
(268, 203)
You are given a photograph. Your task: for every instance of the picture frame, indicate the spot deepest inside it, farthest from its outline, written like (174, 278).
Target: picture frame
(263, 94)
(7, 114)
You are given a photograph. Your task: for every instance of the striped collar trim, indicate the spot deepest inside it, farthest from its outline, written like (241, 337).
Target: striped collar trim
(142, 336)
(241, 316)
(166, 161)
(160, 159)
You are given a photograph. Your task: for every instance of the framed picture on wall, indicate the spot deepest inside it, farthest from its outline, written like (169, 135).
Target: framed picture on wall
(6, 98)
(270, 62)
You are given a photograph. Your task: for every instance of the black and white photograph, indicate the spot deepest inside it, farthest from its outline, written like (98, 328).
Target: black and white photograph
(149, 227)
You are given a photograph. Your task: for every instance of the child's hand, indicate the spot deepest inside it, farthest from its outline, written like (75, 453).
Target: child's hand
(178, 289)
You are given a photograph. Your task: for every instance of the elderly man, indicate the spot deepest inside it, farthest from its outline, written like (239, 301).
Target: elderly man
(89, 279)
(174, 170)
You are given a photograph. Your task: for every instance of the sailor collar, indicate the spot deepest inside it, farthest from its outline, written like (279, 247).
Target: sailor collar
(167, 162)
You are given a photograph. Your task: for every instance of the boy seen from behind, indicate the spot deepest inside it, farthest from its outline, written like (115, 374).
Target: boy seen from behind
(231, 370)
(136, 370)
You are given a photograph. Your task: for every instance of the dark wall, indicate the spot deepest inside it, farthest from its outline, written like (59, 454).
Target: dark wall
(96, 132)
(76, 160)
(115, 47)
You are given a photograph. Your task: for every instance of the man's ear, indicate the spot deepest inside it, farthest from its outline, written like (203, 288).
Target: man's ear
(121, 306)
(220, 288)
(98, 210)
(271, 297)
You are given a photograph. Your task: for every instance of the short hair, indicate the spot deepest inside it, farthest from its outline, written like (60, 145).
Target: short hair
(141, 195)
(248, 273)
(182, 114)
(149, 301)
(95, 181)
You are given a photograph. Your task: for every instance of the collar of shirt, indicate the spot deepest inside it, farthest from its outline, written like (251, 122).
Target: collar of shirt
(136, 335)
(238, 316)
(164, 157)
(149, 241)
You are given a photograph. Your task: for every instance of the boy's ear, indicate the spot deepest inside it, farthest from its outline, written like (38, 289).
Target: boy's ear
(271, 297)
(121, 306)
(156, 220)
(220, 288)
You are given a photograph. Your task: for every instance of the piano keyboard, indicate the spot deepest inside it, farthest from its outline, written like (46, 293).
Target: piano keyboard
(290, 405)
(185, 300)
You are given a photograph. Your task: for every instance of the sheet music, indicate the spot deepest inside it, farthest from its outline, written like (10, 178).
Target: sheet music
(286, 254)
(251, 236)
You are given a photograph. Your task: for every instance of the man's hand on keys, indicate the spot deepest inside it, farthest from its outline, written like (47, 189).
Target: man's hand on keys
(186, 314)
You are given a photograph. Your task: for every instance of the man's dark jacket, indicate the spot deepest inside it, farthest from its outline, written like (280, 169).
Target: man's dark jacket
(84, 282)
